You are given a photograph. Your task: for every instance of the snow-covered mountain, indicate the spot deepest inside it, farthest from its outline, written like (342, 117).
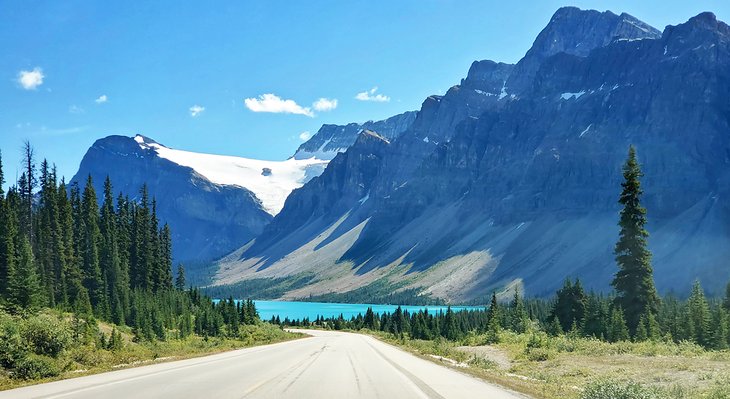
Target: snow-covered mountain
(270, 181)
(216, 203)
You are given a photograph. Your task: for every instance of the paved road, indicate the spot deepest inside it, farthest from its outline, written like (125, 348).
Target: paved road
(327, 365)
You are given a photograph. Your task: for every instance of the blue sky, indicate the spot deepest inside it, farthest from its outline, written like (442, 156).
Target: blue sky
(75, 71)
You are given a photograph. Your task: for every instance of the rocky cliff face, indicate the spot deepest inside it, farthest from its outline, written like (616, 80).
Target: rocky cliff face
(520, 189)
(330, 140)
(207, 220)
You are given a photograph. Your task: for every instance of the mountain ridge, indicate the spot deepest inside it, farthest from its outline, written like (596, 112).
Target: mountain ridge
(501, 195)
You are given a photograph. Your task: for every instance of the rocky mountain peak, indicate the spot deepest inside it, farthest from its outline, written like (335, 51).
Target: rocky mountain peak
(576, 32)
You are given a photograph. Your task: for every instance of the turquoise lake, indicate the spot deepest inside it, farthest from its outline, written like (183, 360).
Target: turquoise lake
(300, 310)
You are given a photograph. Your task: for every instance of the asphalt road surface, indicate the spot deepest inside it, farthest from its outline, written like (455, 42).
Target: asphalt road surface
(327, 365)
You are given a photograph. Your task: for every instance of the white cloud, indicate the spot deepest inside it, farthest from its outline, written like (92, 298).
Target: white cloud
(275, 104)
(304, 136)
(325, 104)
(30, 80)
(102, 99)
(74, 109)
(196, 110)
(370, 95)
(62, 131)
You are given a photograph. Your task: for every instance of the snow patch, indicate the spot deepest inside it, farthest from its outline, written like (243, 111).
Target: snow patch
(583, 133)
(271, 189)
(484, 93)
(568, 96)
(503, 92)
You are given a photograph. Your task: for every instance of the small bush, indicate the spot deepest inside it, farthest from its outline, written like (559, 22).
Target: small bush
(12, 348)
(539, 354)
(36, 366)
(612, 389)
(46, 335)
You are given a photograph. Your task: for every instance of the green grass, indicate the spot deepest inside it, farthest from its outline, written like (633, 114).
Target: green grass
(45, 348)
(571, 367)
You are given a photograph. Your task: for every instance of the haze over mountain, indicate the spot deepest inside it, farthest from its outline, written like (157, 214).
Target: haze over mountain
(511, 178)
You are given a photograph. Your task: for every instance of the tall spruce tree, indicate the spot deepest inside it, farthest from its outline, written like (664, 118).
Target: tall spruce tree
(91, 240)
(24, 287)
(180, 279)
(570, 306)
(7, 236)
(634, 281)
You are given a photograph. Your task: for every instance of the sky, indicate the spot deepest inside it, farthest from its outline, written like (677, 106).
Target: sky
(249, 78)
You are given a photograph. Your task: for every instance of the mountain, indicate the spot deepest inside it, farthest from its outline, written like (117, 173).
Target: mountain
(511, 179)
(213, 203)
(330, 140)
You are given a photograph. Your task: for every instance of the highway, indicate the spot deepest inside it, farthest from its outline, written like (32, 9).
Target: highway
(328, 364)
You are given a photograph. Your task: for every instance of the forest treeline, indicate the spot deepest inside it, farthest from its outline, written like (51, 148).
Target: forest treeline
(95, 259)
(574, 312)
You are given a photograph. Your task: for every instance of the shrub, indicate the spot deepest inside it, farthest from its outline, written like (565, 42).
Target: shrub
(46, 335)
(612, 389)
(12, 348)
(539, 354)
(36, 366)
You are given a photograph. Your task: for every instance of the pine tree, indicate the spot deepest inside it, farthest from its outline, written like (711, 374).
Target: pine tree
(27, 183)
(570, 306)
(634, 281)
(24, 287)
(617, 329)
(494, 324)
(165, 259)
(594, 324)
(699, 315)
(180, 279)
(71, 277)
(720, 329)
(8, 230)
(519, 320)
(91, 237)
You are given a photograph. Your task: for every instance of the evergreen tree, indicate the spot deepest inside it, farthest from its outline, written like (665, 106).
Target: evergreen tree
(570, 306)
(617, 329)
(27, 183)
(494, 317)
(519, 320)
(8, 231)
(699, 315)
(180, 278)
(720, 329)
(634, 281)
(164, 264)
(24, 287)
(91, 238)
(594, 324)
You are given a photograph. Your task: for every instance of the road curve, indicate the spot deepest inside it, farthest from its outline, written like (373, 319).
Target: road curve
(327, 365)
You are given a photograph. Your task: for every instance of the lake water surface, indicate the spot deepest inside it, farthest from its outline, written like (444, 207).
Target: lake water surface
(300, 310)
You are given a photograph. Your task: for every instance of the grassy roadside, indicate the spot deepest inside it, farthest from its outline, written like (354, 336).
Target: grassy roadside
(568, 367)
(76, 358)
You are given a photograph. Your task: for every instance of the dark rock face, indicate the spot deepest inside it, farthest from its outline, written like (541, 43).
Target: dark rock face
(531, 173)
(576, 32)
(207, 220)
(333, 139)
